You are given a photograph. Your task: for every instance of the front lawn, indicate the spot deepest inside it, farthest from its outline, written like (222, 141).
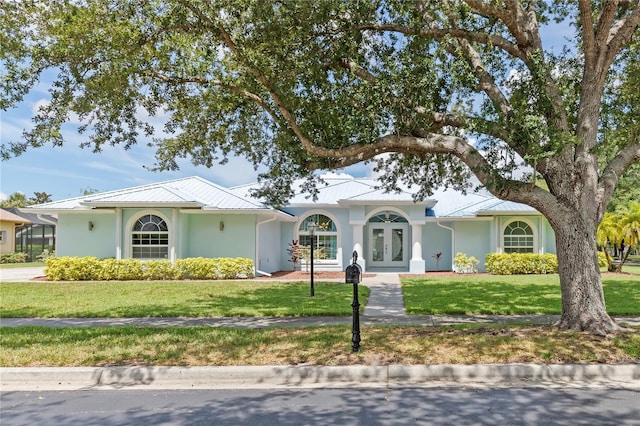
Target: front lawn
(174, 299)
(509, 294)
(330, 345)
(22, 265)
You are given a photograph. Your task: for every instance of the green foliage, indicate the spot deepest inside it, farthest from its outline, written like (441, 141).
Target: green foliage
(18, 199)
(45, 255)
(93, 269)
(602, 260)
(521, 263)
(13, 257)
(465, 265)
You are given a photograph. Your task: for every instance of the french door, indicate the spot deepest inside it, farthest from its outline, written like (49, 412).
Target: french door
(388, 244)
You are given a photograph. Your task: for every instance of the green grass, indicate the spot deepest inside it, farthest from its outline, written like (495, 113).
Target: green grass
(174, 298)
(21, 265)
(330, 345)
(509, 294)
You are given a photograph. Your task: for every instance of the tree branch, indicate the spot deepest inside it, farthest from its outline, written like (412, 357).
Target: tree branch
(207, 82)
(616, 167)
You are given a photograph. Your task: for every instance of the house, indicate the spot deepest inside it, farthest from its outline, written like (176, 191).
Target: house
(193, 217)
(26, 232)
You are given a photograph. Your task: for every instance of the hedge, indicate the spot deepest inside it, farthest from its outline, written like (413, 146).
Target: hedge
(521, 263)
(93, 269)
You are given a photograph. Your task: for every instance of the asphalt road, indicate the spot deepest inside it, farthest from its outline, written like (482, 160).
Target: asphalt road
(523, 405)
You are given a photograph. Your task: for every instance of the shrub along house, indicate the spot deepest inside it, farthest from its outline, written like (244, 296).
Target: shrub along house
(193, 217)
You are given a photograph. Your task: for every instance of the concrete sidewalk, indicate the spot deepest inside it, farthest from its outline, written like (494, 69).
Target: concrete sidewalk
(385, 306)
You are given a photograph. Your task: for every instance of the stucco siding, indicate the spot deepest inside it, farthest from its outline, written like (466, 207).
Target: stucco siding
(270, 243)
(436, 239)
(7, 245)
(206, 237)
(473, 238)
(75, 238)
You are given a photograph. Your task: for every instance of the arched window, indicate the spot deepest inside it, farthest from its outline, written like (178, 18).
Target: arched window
(325, 235)
(150, 238)
(518, 237)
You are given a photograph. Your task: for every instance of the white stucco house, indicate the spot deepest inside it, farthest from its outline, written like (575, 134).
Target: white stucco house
(193, 217)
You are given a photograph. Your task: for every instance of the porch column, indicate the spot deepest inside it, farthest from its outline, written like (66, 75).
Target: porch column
(358, 243)
(118, 233)
(417, 264)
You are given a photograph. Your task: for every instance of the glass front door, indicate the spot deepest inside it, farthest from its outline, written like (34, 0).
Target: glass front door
(388, 244)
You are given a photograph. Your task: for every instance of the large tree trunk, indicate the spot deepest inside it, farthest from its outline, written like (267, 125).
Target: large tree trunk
(583, 306)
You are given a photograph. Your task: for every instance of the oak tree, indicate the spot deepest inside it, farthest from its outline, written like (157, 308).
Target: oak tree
(434, 92)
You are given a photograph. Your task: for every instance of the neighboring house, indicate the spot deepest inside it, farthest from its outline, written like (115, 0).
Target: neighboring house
(26, 232)
(193, 217)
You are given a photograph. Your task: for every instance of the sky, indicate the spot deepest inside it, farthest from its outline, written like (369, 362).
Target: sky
(68, 171)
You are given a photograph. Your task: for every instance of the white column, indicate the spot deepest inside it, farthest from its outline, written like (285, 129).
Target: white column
(173, 236)
(118, 233)
(417, 264)
(358, 243)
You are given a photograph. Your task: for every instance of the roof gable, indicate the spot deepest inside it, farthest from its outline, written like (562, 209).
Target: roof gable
(187, 192)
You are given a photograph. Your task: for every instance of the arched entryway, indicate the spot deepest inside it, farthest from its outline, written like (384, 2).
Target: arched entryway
(388, 233)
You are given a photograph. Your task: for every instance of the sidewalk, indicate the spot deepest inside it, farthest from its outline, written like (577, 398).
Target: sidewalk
(385, 306)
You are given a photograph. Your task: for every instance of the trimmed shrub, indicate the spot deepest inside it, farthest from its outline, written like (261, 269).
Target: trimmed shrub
(602, 260)
(13, 257)
(94, 269)
(521, 263)
(463, 264)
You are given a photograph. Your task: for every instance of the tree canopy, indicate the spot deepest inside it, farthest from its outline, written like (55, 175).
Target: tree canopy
(18, 199)
(434, 92)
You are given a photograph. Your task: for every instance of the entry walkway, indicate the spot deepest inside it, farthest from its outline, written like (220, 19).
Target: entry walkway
(384, 306)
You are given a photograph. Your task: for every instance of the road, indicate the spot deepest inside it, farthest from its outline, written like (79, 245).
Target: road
(406, 405)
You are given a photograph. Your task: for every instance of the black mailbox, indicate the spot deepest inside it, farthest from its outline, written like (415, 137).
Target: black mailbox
(353, 274)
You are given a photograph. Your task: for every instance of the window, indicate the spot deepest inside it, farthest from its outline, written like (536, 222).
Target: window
(150, 238)
(3, 236)
(325, 235)
(518, 237)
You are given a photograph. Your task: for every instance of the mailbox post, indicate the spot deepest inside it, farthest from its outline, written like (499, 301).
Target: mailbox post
(353, 273)
(312, 228)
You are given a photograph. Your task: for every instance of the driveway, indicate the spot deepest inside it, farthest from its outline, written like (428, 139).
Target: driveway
(21, 274)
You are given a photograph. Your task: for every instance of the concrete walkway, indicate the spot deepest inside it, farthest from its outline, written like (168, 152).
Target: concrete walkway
(384, 306)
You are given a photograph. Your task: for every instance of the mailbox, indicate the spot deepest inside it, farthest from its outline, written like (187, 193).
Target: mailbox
(353, 274)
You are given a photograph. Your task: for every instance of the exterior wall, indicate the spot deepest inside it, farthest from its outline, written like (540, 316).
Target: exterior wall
(270, 245)
(7, 245)
(74, 238)
(206, 237)
(473, 238)
(437, 239)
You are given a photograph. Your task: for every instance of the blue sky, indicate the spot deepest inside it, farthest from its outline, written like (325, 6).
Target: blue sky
(67, 171)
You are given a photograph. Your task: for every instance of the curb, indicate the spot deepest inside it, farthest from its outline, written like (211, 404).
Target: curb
(229, 377)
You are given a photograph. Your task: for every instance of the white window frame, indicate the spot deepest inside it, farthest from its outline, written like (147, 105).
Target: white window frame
(318, 233)
(129, 237)
(534, 236)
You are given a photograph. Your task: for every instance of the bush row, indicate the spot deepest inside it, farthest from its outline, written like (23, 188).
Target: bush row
(197, 268)
(521, 263)
(13, 257)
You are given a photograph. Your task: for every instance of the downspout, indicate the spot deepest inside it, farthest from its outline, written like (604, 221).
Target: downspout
(453, 241)
(275, 216)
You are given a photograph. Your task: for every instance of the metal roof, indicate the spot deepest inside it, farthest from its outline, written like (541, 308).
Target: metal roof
(187, 192)
(199, 194)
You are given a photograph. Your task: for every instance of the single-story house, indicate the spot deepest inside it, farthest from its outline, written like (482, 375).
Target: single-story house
(26, 232)
(193, 217)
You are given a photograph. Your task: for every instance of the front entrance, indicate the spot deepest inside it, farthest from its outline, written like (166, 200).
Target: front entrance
(388, 244)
